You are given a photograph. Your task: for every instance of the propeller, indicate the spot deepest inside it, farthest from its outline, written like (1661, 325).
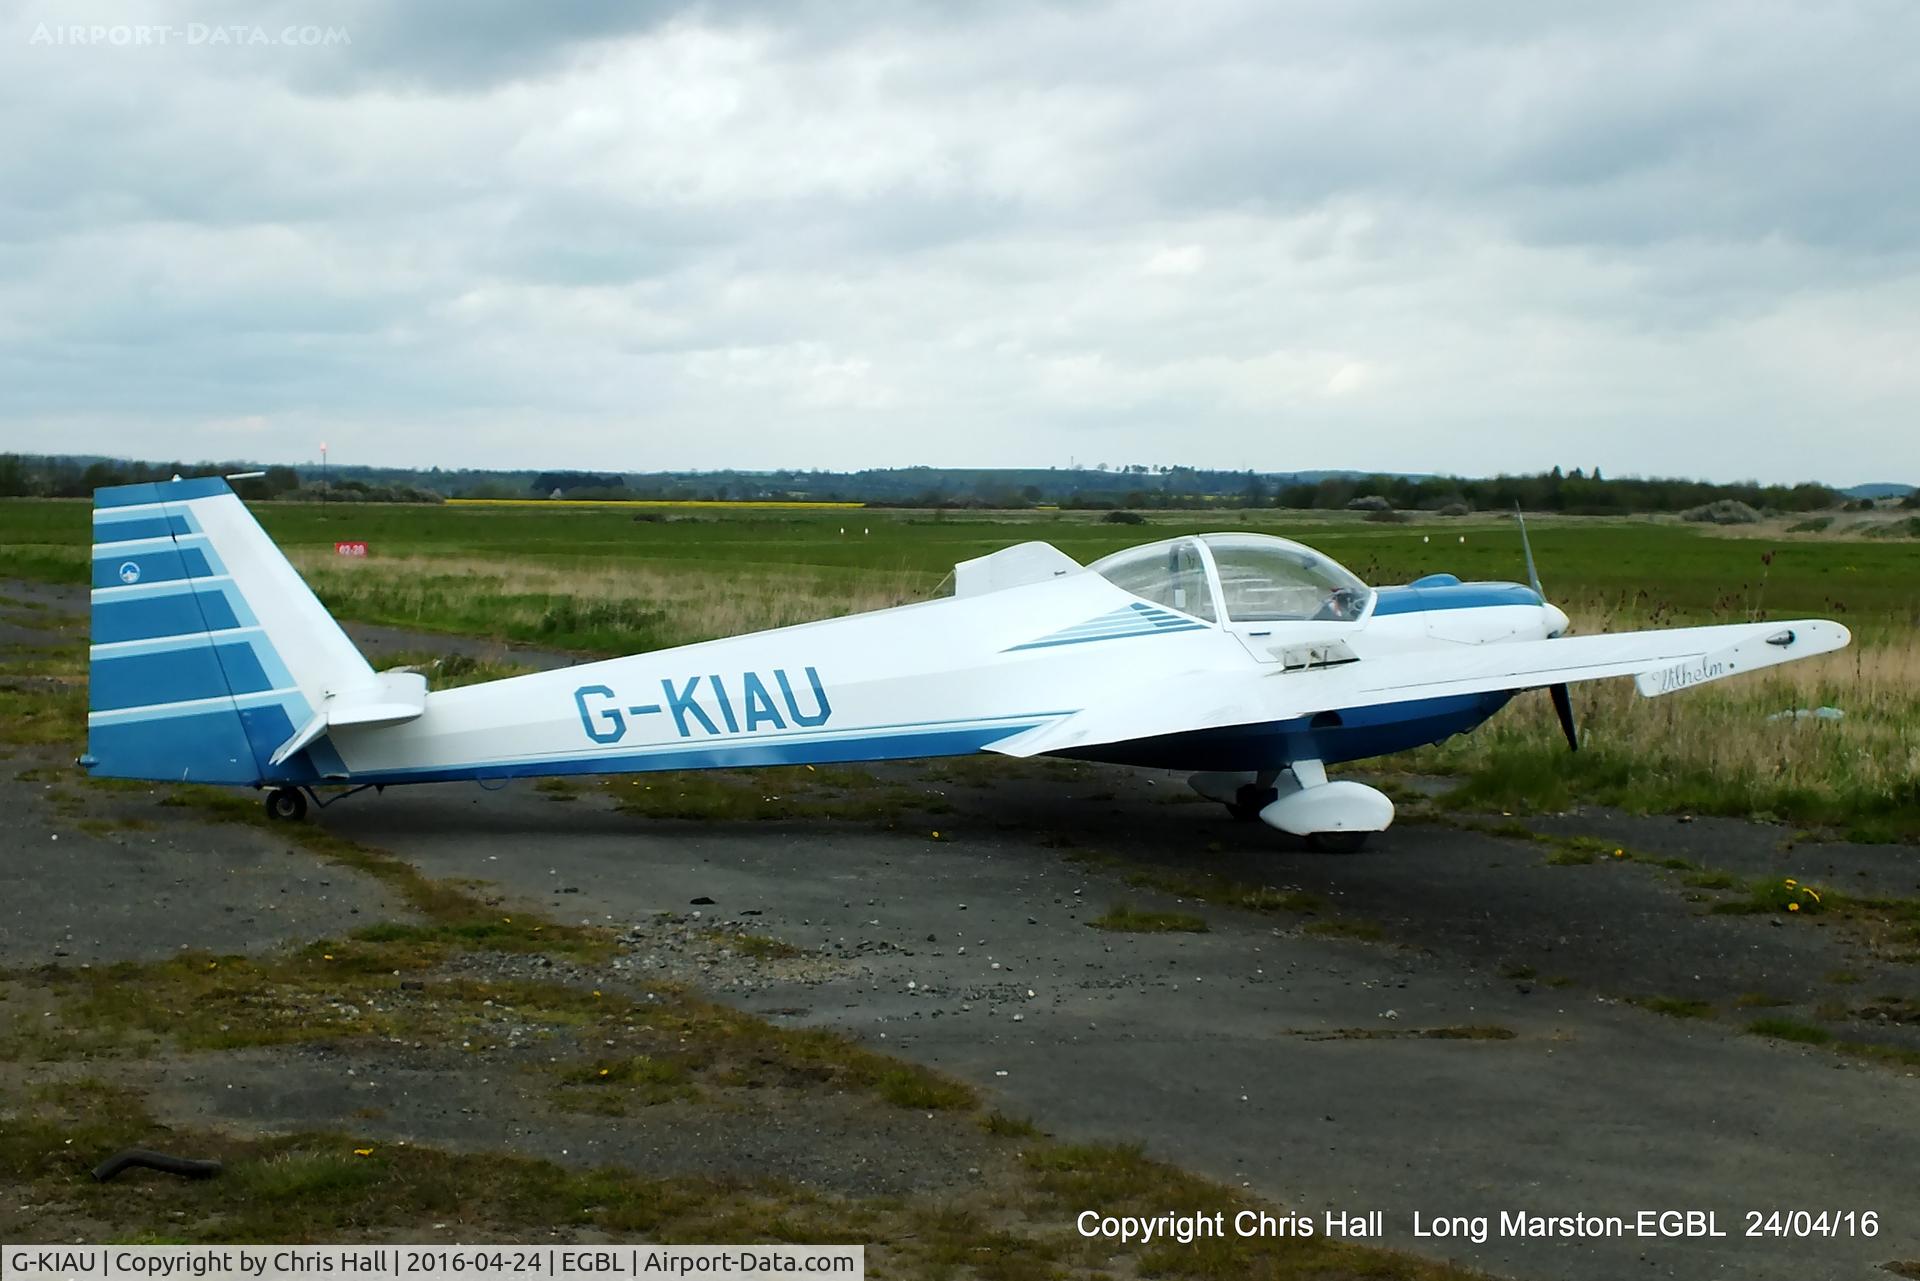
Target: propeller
(1563, 707)
(1562, 696)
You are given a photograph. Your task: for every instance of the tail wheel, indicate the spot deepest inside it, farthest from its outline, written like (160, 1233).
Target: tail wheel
(1250, 800)
(286, 805)
(1337, 842)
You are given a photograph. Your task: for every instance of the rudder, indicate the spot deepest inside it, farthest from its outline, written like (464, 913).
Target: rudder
(208, 648)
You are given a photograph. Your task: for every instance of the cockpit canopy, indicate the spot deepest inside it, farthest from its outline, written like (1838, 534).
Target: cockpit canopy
(1258, 578)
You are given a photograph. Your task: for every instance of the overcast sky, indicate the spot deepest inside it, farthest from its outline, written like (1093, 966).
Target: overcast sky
(1442, 236)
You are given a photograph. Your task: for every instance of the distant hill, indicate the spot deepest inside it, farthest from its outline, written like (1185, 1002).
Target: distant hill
(1879, 489)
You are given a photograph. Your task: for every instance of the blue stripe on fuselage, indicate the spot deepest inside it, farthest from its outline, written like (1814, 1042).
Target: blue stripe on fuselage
(771, 750)
(1348, 735)
(1416, 599)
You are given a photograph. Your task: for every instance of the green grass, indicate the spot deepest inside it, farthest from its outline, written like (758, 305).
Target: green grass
(1679, 571)
(1125, 918)
(594, 580)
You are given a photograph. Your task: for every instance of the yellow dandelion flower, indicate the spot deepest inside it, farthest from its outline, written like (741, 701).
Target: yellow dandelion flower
(363, 1151)
(1790, 882)
(1793, 907)
(1814, 895)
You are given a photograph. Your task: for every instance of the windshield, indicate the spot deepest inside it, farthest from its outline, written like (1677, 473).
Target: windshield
(1264, 579)
(1171, 574)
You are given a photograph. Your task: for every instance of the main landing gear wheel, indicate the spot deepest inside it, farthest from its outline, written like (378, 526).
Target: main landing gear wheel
(1250, 800)
(286, 805)
(1337, 842)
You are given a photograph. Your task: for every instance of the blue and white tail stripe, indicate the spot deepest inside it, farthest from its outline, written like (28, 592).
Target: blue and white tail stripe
(115, 528)
(169, 609)
(1136, 619)
(208, 651)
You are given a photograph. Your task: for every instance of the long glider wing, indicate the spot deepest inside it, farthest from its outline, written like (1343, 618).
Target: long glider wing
(1660, 662)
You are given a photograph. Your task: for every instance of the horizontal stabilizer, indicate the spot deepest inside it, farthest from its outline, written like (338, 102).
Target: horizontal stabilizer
(392, 699)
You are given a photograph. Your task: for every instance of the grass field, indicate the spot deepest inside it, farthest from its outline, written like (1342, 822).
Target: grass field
(611, 580)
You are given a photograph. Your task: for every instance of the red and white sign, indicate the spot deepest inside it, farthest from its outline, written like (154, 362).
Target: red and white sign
(349, 549)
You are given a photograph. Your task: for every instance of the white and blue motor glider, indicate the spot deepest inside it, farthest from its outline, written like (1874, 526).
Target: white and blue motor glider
(1254, 661)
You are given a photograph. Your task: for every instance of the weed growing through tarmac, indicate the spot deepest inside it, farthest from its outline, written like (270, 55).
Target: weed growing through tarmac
(1203, 887)
(1786, 1029)
(1675, 1007)
(1348, 928)
(1780, 894)
(774, 793)
(1466, 1032)
(1125, 918)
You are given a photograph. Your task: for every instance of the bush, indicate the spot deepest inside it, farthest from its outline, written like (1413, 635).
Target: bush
(1369, 503)
(1727, 511)
(1124, 518)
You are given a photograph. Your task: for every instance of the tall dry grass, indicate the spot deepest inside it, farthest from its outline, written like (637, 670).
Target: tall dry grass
(1717, 748)
(597, 607)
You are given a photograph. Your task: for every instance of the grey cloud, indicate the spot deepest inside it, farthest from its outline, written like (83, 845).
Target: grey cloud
(1471, 235)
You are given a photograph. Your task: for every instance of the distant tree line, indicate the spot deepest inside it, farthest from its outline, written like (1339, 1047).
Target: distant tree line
(1574, 492)
(43, 476)
(1134, 486)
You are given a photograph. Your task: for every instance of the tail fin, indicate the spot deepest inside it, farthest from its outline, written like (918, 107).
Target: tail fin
(209, 650)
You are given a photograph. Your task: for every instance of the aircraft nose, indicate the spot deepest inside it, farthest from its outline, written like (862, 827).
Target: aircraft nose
(1556, 619)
